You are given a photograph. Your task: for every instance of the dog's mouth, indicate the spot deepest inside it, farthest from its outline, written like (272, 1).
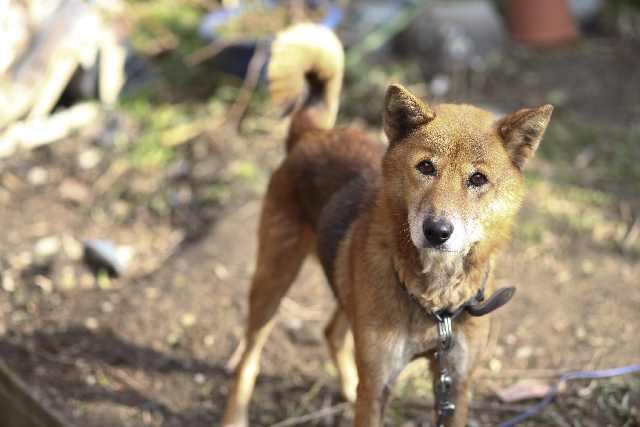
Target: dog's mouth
(437, 247)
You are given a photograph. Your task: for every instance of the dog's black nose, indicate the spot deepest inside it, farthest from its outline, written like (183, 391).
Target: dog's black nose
(437, 231)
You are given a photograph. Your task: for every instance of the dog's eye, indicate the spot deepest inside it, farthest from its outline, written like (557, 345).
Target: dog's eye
(477, 179)
(426, 168)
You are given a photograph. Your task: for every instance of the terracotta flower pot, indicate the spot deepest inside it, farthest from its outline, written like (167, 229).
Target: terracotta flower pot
(542, 23)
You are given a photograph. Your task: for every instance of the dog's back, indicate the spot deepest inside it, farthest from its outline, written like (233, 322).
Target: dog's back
(335, 172)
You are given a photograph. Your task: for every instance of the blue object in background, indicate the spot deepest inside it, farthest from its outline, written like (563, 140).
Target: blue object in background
(235, 58)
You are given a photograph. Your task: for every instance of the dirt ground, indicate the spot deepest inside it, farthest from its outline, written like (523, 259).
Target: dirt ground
(149, 349)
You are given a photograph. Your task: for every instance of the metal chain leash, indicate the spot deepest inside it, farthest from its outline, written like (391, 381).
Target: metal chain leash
(443, 385)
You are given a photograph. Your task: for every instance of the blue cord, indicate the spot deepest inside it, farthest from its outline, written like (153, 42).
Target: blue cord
(443, 415)
(571, 376)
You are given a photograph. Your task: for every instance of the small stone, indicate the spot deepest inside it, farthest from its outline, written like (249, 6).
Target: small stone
(106, 307)
(89, 159)
(209, 340)
(220, 271)
(21, 261)
(47, 247)
(73, 191)
(37, 176)
(199, 378)
(188, 320)
(44, 283)
(72, 247)
(91, 323)
(8, 282)
(524, 352)
(120, 209)
(510, 339)
(495, 365)
(11, 182)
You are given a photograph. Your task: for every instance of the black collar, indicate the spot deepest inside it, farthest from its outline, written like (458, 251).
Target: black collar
(495, 301)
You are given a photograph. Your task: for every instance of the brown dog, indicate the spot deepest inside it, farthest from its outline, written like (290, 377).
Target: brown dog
(400, 235)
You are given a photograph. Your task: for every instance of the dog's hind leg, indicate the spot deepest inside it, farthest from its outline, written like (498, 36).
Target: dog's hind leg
(340, 344)
(284, 241)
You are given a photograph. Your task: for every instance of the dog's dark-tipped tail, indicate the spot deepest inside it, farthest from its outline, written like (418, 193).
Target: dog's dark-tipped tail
(311, 53)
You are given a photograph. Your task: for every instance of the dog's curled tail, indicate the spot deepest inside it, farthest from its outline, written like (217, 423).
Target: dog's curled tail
(311, 53)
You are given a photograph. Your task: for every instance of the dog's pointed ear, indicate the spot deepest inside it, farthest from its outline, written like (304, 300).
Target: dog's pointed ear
(522, 131)
(403, 112)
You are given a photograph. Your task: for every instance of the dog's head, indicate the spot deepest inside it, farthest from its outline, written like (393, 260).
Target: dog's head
(454, 171)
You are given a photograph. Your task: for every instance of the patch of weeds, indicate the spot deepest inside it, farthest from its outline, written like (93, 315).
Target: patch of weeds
(148, 152)
(220, 193)
(529, 231)
(140, 103)
(613, 401)
(250, 174)
(172, 24)
(608, 155)
(565, 208)
(365, 88)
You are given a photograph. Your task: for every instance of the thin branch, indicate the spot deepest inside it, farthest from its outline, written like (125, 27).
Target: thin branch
(212, 49)
(258, 60)
(313, 415)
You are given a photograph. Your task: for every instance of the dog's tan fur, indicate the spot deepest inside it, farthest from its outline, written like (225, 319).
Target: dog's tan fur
(372, 218)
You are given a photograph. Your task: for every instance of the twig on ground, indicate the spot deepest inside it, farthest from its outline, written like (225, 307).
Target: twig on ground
(315, 388)
(313, 415)
(595, 358)
(632, 235)
(111, 175)
(211, 50)
(250, 82)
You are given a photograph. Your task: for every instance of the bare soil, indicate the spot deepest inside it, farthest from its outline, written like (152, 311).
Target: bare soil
(149, 348)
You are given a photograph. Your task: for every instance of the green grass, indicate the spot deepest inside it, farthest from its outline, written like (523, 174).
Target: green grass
(169, 23)
(609, 155)
(582, 176)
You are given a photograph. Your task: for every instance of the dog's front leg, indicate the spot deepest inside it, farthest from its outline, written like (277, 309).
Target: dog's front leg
(379, 360)
(371, 403)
